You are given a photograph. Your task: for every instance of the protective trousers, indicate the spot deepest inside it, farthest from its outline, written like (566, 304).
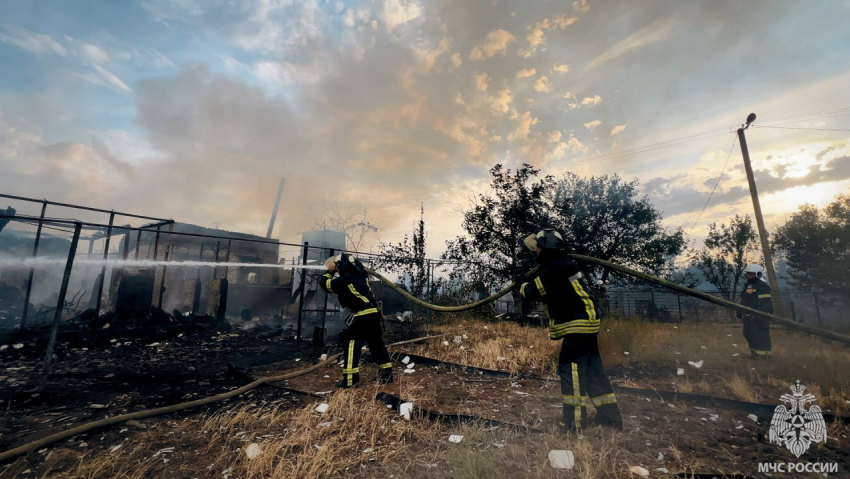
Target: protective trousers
(364, 329)
(757, 333)
(582, 374)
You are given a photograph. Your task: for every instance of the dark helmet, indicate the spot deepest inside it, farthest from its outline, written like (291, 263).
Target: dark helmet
(547, 238)
(348, 264)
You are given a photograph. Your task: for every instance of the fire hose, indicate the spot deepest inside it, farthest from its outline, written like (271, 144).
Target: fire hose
(111, 421)
(5, 456)
(637, 274)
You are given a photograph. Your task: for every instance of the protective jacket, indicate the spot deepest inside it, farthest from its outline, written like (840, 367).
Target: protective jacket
(570, 309)
(353, 290)
(756, 295)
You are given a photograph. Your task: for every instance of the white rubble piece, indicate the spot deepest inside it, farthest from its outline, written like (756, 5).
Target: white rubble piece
(410, 371)
(322, 408)
(697, 364)
(445, 343)
(458, 339)
(465, 337)
(660, 456)
(405, 409)
(455, 438)
(325, 424)
(625, 353)
(406, 359)
(97, 406)
(753, 417)
(323, 357)
(561, 459)
(680, 371)
(501, 358)
(663, 470)
(411, 365)
(18, 345)
(639, 471)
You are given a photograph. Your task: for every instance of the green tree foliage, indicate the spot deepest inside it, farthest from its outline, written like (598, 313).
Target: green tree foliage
(816, 246)
(492, 252)
(605, 217)
(727, 251)
(407, 259)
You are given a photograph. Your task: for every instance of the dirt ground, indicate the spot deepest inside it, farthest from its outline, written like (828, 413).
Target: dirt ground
(361, 437)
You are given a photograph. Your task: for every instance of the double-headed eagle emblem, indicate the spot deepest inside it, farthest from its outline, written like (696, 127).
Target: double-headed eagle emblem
(798, 428)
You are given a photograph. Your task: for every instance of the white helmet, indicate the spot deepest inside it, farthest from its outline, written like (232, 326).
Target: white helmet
(754, 268)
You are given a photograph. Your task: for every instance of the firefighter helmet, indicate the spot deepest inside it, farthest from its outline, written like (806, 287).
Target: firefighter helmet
(754, 268)
(347, 263)
(547, 238)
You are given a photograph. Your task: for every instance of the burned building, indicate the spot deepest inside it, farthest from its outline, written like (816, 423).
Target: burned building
(263, 290)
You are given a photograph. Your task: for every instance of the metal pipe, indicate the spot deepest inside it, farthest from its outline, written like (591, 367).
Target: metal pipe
(138, 242)
(169, 251)
(325, 307)
(60, 305)
(303, 286)
(103, 268)
(32, 270)
(86, 208)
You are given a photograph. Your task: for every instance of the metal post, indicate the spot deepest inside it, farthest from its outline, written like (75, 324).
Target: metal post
(103, 268)
(679, 300)
(126, 245)
(138, 243)
(227, 257)
(32, 270)
(156, 243)
(652, 302)
(817, 308)
(168, 253)
(303, 286)
(217, 250)
(60, 305)
(325, 307)
(765, 247)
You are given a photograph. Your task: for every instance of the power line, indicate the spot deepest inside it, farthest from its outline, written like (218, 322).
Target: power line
(800, 128)
(715, 185)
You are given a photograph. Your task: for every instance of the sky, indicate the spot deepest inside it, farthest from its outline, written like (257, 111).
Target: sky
(194, 110)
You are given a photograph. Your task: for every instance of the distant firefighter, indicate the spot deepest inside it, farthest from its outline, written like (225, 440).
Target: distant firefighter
(364, 323)
(756, 295)
(574, 318)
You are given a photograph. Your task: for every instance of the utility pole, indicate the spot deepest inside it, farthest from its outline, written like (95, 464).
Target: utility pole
(765, 246)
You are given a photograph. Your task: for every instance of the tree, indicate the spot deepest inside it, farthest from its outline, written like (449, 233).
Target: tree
(816, 246)
(352, 221)
(407, 259)
(604, 217)
(492, 251)
(727, 251)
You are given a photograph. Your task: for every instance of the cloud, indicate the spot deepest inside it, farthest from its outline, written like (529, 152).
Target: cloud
(526, 73)
(592, 124)
(456, 60)
(536, 36)
(496, 43)
(561, 68)
(502, 101)
(657, 31)
(618, 129)
(399, 12)
(554, 136)
(31, 41)
(581, 6)
(542, 85)
(591, 101)
(481, 81)
(523, 127)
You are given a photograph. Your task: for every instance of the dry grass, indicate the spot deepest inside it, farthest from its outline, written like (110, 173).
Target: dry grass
(742, 389)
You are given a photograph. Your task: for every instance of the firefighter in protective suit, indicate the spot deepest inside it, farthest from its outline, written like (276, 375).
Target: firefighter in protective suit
(573, 318)
(756, 295)
(364, 323)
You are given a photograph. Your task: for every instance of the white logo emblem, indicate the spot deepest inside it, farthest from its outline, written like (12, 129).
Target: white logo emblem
(798, 428)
